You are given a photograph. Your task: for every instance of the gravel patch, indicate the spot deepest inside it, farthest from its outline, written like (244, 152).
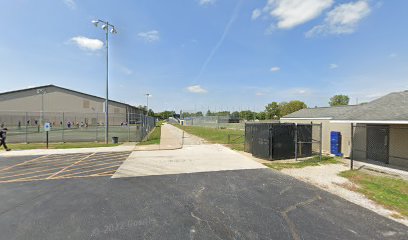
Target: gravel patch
(325, 177)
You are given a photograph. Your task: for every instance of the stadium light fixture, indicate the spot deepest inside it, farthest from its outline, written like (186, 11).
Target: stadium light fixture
(106, 26)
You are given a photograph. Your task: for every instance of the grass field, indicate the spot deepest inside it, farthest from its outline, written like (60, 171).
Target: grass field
(23, 146)
(214, 135)
(392, 193)
(154, 137)
(314, 161)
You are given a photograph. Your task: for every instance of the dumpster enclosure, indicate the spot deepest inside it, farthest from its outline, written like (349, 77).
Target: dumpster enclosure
(274, 141)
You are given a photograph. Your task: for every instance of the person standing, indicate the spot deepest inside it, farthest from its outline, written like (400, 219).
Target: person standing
(3, 135)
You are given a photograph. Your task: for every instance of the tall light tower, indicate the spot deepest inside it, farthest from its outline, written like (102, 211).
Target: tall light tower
(147, 103)
(107, 27)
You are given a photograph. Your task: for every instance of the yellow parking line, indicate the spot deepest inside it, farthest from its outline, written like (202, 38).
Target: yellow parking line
(31, 172)
(92, 164)
(22, 163)
(73, 174)
(107, 173)
(101, 159)
(70, 166)
(37, 167)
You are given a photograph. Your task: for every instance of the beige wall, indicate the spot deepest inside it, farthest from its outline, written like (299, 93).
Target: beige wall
(56, 100)
(399, 145)
(328, 127)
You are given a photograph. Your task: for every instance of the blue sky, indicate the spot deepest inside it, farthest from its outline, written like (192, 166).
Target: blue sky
(217, 54)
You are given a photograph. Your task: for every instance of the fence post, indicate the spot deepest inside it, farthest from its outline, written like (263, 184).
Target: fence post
(63, 127)
(26, 128)
(351, 147)
(96, 127)
(296, 142)
(321, 139)
(128, 125)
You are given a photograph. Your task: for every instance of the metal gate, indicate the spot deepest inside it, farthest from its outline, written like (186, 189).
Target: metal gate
(378, 143)
(275, 141)
(283, 138)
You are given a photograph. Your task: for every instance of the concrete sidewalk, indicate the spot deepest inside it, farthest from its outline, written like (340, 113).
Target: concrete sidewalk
(171, 138)
(189, 159)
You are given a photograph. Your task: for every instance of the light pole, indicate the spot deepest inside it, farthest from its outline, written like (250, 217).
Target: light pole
(147, 103)
(107, 27)
(42, 91)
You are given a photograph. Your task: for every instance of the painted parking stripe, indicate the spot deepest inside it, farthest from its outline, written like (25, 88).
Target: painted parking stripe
(70, 166)
(60, 166)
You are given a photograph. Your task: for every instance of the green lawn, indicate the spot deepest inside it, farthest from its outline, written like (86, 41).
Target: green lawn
(154, 137)
(314, 161)
(23, 146)
(214, 135)
(392, 193)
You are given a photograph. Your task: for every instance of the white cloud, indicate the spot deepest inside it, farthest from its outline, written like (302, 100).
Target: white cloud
(196, 89)
(291, 13)
(259, 94)
(70, 3)
(87, 43)
(393, 55)
(343, 19)
(333, 66)
(150, 36)
(206, 2)
(274, 69)
(256, 14)
(125, 70)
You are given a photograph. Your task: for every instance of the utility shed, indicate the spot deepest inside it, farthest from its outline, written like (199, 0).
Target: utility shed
(324, 115)
(380, 129)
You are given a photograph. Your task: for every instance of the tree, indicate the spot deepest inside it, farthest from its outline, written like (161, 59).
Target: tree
(290, 107)
(247, 115)
(261, 116)
(272, 110)
(150, 113)
(339, 100)
(235, 115)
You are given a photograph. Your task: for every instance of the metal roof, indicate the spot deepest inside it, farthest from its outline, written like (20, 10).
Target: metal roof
(391, 108)
(320, 112)
(66, 89)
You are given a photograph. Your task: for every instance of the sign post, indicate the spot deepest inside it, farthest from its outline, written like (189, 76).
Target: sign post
(47, 128)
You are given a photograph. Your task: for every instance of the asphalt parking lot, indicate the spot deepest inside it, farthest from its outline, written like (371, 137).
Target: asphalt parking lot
(58, 166)
(235, 204)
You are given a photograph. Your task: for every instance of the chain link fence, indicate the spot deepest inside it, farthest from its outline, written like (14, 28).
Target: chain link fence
(223, 122)
(275, 141)
(384, 144)
(27, 127)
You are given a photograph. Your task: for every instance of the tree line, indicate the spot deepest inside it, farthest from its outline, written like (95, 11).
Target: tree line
(274, 110)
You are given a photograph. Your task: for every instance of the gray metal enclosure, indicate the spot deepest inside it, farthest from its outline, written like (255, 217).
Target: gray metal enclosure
(275, 141)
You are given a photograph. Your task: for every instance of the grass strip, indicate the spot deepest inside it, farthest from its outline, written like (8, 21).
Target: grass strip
(154, 137)
(314, 161)
(220, 136)
(390, 192)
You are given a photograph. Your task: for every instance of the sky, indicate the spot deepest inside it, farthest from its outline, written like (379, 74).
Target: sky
(194, 55)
